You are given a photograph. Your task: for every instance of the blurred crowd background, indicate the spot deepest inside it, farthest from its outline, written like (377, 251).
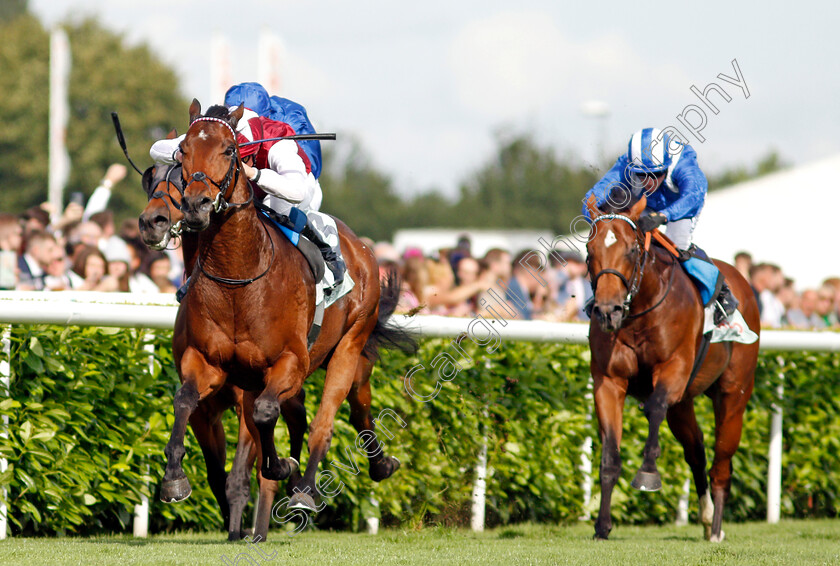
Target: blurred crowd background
(85, 250)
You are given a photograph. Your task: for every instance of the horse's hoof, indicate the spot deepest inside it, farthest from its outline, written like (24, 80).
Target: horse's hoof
(303, 501)
(718, 538)
(384, 468)
(596, 536)
(647, 481)
(280, 469)
(173, 491)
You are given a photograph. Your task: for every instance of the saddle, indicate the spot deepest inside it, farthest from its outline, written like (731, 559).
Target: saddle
(291, 227)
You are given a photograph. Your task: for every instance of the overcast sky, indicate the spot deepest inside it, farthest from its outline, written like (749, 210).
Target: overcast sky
(425, 85)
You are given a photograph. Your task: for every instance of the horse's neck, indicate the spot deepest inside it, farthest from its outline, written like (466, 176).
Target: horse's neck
(656, 280)
(235, 241)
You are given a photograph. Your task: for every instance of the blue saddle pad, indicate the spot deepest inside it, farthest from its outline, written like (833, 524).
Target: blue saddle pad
(705, 276)
(298, 220)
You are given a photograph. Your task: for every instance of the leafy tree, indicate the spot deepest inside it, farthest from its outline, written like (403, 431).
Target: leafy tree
(11, 9)
(358, 194)
(770, 163)
(106, 75)
(524, 186)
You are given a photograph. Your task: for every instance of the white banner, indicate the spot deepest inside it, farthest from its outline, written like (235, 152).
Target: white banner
(271, 55)
(220, 75)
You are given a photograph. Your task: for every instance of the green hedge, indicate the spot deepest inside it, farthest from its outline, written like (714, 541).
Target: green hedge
(88, 423)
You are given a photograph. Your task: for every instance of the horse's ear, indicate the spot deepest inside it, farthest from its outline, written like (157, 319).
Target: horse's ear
(594, 211)
(195, 110)
(147, 179)
(172, 135)
(637, 209)
(236, 115)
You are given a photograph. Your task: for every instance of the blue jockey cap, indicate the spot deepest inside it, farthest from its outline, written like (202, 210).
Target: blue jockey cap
(648, 151)
(252, 95)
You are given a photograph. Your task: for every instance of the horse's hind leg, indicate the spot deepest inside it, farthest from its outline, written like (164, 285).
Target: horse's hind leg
(294, 413)
(238, 487)
(340, 377)
(207, 427)
(729, 403)
(380, 466)
(683, 423)
(609, 405)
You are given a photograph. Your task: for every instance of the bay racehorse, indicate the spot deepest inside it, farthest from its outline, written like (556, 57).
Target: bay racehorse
(159, 222)
(644, 335)
(246, 316)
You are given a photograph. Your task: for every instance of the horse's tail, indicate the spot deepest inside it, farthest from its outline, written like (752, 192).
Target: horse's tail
(387, 335)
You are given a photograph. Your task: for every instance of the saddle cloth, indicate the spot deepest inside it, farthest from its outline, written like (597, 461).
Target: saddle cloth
(733, 329)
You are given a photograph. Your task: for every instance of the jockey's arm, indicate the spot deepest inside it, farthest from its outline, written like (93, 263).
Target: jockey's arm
(613, 178)
(692, 185)
(286, 175)
(165, 151)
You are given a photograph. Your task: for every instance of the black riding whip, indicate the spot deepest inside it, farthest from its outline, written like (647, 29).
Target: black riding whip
(121, 139)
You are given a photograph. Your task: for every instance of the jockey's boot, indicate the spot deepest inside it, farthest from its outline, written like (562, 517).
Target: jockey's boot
(331, 254)
(725, 298)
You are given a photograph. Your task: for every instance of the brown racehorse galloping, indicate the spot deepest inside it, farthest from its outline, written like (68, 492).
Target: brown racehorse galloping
(644, 335)
(159, 221)
(245, 319)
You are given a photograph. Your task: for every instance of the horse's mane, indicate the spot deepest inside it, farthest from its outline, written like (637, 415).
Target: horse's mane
(218, 111)
(617, 196)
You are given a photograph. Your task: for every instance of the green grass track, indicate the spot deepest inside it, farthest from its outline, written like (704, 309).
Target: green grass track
(789, 542)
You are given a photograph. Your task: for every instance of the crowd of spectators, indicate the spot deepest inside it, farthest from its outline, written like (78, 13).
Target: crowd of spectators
(455, 283)
(81, 249)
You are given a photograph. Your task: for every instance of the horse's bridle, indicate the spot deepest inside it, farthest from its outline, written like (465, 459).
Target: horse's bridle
(174, 229)
(632, 286)
(220, 203)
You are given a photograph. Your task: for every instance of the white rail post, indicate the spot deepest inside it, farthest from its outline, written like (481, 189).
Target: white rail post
(141, 510)
(479, 488)
(586, 456)
(372, 522)
(6, 380)
(774, 464)
(682, 507)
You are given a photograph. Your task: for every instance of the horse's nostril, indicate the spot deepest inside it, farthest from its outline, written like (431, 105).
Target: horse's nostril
(160, 220)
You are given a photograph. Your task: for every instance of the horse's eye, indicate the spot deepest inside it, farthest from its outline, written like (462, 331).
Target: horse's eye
(230, 151)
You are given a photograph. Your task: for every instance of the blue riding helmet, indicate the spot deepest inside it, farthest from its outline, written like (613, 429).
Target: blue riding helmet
(252, 95)
(648, 152)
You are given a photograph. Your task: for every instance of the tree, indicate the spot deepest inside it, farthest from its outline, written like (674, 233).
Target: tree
(358, 194)
(524, 186)
(770, 163)
(106, 76)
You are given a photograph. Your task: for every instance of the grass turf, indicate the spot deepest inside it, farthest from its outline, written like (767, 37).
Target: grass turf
(789, 542)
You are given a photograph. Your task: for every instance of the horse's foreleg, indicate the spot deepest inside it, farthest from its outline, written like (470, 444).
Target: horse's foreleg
(609, 405)
(283, 380)
(380, 466)
(199, 382)
(683, 424)
(667, 391)
(294, 413)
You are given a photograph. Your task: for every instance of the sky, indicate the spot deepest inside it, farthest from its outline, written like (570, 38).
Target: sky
(427, 87)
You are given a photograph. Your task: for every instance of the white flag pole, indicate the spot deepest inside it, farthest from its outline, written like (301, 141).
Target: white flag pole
(59, 166)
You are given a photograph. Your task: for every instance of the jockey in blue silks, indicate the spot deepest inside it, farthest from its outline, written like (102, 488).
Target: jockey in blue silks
(666, 171)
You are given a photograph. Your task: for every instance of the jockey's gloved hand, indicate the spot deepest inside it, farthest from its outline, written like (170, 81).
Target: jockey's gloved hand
(651, 221)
